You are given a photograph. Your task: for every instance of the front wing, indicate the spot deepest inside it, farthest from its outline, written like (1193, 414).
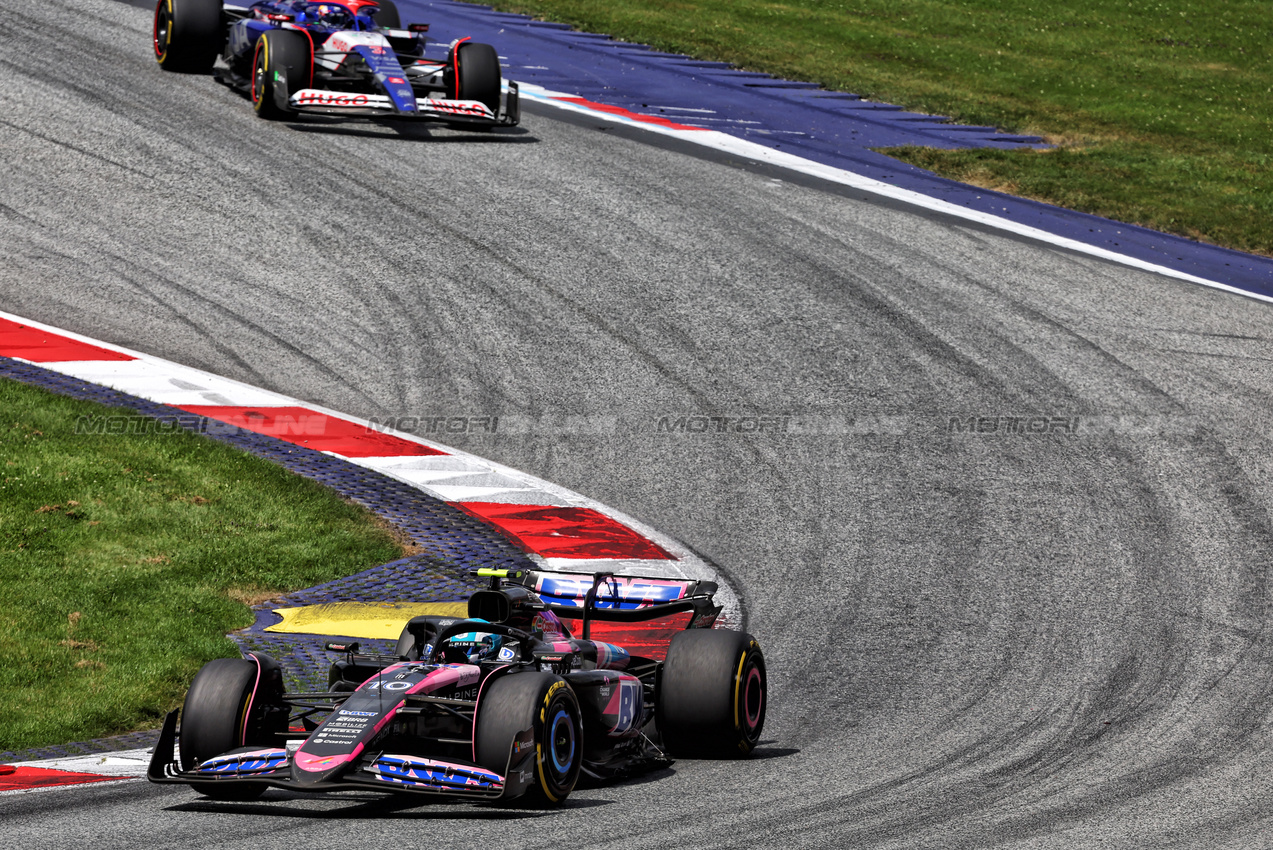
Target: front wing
(427, 108)
(385, 772)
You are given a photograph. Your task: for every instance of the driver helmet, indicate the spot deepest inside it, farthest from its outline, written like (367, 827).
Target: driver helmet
(330, 14)
(472, 647)
(486, 649)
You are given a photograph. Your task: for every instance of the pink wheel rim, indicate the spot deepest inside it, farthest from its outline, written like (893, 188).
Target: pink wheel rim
(753, 697)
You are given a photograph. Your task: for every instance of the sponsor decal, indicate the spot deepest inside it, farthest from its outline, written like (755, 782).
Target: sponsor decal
(422, 772)
(347, 41)
(549, 624)
(398, 81)
(701, 621)
(625, 709)
(240, 763)
(318, 98)
(507, 654)
(358, 713)
(477, 110)
(468, 673)
(616, 592)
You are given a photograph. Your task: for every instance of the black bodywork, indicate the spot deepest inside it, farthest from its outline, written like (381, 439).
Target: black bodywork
(417, 722)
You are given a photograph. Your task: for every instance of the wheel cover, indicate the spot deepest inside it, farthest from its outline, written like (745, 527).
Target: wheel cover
(163, 29)
(753, 699)
(259, 71)
(557, 746)
(561, 743)
(749, 699)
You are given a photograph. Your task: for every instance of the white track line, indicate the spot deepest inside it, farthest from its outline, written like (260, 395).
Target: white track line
(741, 147)
(165, 382)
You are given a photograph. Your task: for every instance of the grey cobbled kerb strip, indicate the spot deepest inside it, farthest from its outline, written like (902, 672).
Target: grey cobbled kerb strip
(451, 541)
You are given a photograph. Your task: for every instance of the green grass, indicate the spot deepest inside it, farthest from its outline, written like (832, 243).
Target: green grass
(125, 560)
(1161, 110)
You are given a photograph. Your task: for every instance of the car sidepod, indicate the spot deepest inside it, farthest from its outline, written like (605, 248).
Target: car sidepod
(612, 705)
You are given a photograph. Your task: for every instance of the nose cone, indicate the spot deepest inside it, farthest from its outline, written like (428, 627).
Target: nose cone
(312, 769)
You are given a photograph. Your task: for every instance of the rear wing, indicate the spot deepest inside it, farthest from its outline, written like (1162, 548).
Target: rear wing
(610, 598)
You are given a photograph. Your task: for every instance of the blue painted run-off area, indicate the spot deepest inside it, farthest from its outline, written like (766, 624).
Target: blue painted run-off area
(831, 128)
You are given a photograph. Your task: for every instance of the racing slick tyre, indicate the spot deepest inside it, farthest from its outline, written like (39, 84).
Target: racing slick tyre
(387, 15)
(477, 74)
(711, 694)
(281, 66)
(231, 704)
(187, 34)
(542, 702)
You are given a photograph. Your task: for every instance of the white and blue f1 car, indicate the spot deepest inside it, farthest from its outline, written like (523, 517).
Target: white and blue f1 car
(351, 57)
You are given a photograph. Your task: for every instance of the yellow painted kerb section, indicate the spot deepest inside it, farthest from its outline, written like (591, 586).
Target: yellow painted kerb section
(360, 619)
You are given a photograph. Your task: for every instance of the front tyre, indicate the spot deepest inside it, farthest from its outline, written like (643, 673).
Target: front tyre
(712, 694)
(232, 703)
(477, 75)
(386, 15)
(187, 34)
(281, 65)
(542, 702)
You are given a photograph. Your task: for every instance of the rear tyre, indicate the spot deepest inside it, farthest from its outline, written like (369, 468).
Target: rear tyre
(281, 66)
(387, 15)
(477, 73)
(229, 707)
(712, 694)
(542, 702)
(187, 34)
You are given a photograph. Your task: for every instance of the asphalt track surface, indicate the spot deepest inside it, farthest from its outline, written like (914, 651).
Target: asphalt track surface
(977, 639)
